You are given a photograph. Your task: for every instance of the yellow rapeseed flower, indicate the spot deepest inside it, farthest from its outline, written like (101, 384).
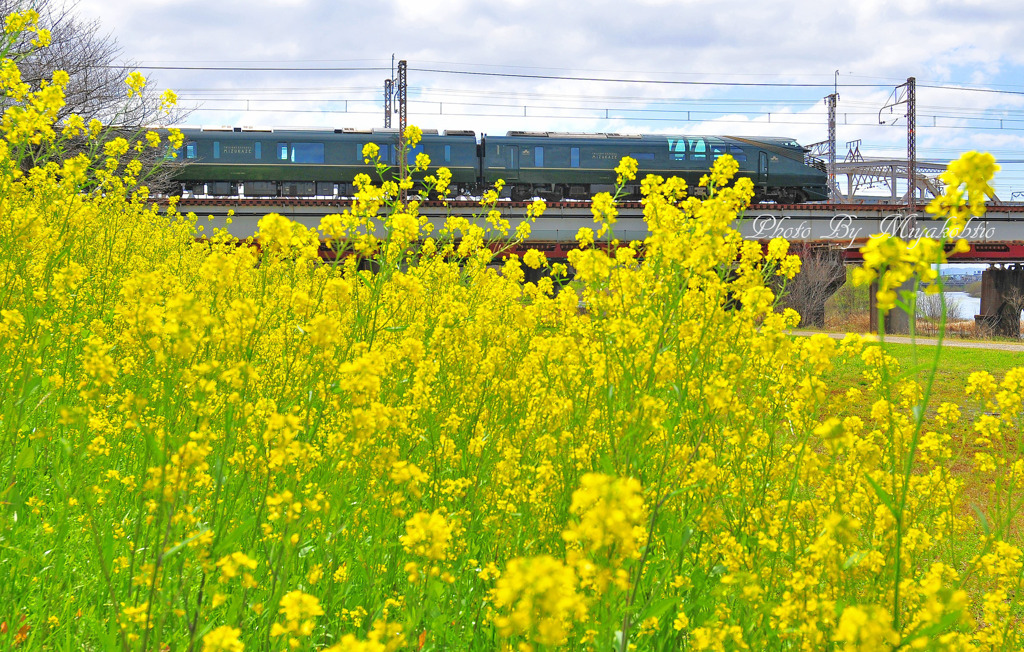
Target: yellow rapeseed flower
(223, 639)
(135, 82)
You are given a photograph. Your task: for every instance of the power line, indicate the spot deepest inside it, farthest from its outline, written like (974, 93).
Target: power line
(545, 77)
(625, 113)
(236, 61)
(483, 74)
(255, 68)
(707, 105)
(633, 81)
(444, 95)
(878, 80)
(773, 119)
(972, 90)
(479, 73)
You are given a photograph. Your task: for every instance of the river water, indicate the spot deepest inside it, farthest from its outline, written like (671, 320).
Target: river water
(968, 306)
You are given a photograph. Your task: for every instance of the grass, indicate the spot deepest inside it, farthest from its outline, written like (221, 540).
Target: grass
(955, 366)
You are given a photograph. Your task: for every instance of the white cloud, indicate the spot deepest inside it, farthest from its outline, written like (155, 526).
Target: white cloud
(869, 42)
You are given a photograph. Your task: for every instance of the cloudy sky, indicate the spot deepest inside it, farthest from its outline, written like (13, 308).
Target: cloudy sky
(646, 66)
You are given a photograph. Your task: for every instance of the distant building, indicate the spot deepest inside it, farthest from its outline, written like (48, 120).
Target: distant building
(962, 279)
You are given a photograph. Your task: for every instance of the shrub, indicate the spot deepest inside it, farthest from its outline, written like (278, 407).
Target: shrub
(934, 308)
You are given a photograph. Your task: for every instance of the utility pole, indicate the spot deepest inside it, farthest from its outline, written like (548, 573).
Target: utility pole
(897, 320)
(833, 189)
(912, 143)
(907, 94)
(402, 120)
(400, 94)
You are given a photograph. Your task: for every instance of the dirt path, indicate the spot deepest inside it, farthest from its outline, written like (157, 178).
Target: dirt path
(931, 341)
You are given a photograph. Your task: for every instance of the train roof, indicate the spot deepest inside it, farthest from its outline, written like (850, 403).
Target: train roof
(660, 138)
(295, 131)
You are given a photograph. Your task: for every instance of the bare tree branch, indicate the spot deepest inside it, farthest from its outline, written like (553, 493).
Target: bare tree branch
(822, 272)
(97, 89)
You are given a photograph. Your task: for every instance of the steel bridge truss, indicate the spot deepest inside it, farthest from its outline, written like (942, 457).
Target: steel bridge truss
(864, 174)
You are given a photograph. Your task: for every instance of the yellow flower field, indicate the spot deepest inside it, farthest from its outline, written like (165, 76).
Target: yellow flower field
(214, 446)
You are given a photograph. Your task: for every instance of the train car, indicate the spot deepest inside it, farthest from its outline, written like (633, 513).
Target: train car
(555, 166)
(300, 163)
(575, 166)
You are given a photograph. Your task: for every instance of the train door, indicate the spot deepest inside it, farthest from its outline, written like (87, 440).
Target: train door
(762, 168)
(512, 163)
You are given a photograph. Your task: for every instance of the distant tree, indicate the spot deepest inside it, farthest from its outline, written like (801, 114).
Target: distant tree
(96, 87)
(929, 308)
(973, 289)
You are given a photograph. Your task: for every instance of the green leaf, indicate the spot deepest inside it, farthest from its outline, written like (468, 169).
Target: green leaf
(182, 544)
(28, 389)
(854, 559)
(107, 547)
(659, 607)
(26, 458)
(985, 527)
(934, 629)
(883, 496)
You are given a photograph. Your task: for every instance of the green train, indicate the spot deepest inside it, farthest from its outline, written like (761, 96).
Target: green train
(549, 165)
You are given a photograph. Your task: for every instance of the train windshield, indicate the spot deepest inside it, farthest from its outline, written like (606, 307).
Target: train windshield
(698, 149)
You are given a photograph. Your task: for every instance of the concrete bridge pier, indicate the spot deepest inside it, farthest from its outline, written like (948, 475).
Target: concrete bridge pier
(1002, 297)
(897, 321)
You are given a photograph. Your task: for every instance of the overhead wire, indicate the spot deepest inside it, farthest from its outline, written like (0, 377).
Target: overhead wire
(722, 119)
(618, 80)
(643, 114)
(878, 80)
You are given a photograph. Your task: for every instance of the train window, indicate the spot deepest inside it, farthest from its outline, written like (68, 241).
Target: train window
(307, 152)
(698, 149)
(385, 154)
(738, 153)
(574, 157)
(216, 149)
(642, 156)
(677, 148)
(190, 149)
(257, 150)
(447, 153)
(412, 153)
(538, 156)
(282, 151)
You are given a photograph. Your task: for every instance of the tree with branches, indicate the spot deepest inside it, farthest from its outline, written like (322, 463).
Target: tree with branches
(97, 88)
(822, 272)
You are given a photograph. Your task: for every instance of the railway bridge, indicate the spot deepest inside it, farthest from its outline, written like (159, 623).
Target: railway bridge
(833, 232)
